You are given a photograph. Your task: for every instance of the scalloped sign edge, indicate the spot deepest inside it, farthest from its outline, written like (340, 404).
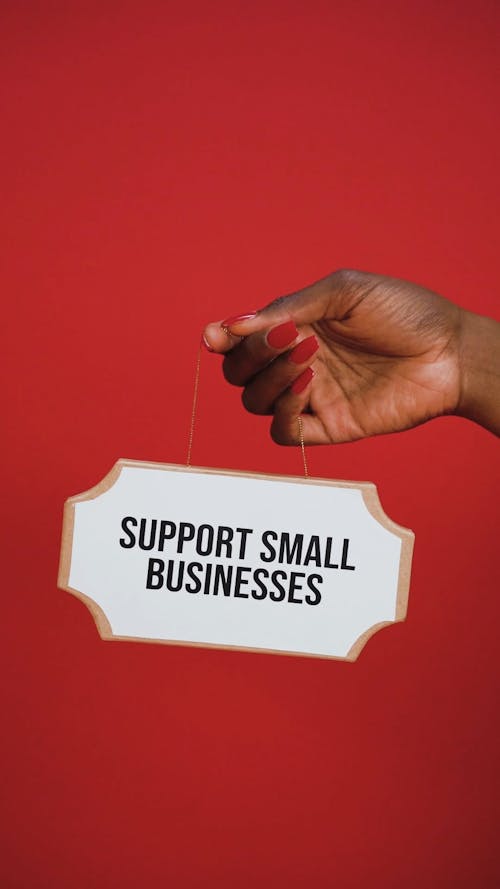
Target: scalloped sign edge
(371, 500)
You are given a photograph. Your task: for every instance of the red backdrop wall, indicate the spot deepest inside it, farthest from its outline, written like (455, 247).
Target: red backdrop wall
(164, 165)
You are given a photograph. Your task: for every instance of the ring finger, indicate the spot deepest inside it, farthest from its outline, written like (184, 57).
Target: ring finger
(257, 351)
(289, 369)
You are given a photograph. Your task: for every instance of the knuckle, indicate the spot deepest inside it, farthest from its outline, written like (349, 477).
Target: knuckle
(230, 371)
(248, 401)
(251, 403)
(278, 307)
(345, 279)
(280, 434)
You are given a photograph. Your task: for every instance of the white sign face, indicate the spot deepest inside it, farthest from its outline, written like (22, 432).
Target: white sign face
(167, 553)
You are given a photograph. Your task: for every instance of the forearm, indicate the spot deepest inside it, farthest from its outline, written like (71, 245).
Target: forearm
(480, 370)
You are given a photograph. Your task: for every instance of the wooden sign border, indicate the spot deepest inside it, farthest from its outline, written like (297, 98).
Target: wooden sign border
(370, 496)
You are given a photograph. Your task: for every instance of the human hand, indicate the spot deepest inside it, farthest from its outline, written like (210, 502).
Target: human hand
(354, 355)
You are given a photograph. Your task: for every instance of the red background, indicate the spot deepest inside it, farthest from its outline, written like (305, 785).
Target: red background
(165, 165)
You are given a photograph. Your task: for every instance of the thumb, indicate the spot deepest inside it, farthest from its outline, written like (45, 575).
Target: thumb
(303, 307)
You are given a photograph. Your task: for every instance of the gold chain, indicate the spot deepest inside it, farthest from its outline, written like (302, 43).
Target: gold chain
(303, 447)
(195, 401)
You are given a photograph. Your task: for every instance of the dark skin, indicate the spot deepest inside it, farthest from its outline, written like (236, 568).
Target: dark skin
(387, 355)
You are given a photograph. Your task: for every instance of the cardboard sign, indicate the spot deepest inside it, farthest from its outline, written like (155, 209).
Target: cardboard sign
(197, 556)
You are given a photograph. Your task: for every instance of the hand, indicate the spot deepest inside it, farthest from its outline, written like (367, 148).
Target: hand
(355, 354)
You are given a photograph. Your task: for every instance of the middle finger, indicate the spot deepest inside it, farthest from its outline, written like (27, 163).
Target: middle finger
(256, 351)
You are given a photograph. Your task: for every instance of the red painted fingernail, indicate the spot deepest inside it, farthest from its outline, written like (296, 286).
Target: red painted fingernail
(207, 345)
(236, 319)
(302, 381)
(283, 335)
(305, 349)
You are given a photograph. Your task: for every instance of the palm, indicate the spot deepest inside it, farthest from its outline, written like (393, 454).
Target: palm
(383, 367)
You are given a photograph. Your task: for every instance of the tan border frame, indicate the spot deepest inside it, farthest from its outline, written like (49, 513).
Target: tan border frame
(370, 497)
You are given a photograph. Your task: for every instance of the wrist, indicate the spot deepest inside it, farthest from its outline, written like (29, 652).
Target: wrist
(479, 364)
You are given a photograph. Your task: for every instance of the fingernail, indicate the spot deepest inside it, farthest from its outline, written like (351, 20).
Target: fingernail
(302, 381)
(283, 335)
(304, 350)
(207, 345)
(237, 319)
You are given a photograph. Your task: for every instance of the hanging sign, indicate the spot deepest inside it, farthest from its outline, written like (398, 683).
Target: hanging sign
(186, 555)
